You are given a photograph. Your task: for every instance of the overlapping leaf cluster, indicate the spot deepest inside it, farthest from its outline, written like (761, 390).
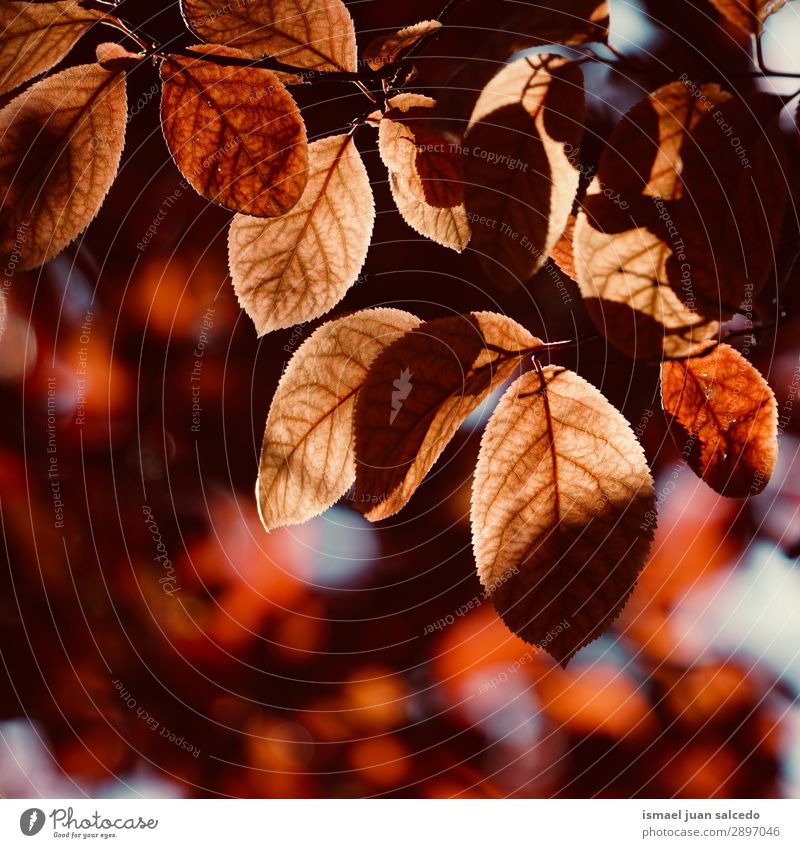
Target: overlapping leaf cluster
(563, 498)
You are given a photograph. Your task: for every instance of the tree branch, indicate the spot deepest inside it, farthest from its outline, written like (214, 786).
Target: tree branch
(153, 48)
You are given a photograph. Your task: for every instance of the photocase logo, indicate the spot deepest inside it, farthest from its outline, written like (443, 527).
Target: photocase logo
(403, 388)
(31, 821)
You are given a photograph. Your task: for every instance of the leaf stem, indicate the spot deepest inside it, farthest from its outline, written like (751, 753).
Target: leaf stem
(266, 62)
(114, 20)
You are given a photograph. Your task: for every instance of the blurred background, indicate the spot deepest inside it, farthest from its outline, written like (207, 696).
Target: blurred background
(155, 641)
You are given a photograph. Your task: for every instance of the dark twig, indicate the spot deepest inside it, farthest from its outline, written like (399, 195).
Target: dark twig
(430, 37)
(368, 75)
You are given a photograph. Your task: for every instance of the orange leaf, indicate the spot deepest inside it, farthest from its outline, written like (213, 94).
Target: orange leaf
(734, 171)
(558, 22)
(621, 269)
(62, 142)
(307, 458)
(425, 170)
(748, 15)
(291, 269)
(415, 145)
(441, 169)
(236, 134)
(314, 34)
(114, 57)
(662, 256)
(35, 36)
(731, 416)
(563, 253)
(560, 505)
(520, 177)
(625, 236)
(418, 393)
(384, 49)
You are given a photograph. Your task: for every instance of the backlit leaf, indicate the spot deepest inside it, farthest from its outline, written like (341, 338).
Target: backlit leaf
(521, 179)
(440, 167)
(562, 515)
(114, 57)
(517, 26)
(314, 34)
(563, 253)
(384, 49)
(291, 269)
(35, 36)
(397, 143)
(626, 238)
(689, 195)
(730, 416)
(307, 458)
(558, 22)
(425, 170)
(236, 134)
(416, 145)
(448, 227)
(748, 15)
(418, 393)
(622, 272)
(62, 142)
(733, 198)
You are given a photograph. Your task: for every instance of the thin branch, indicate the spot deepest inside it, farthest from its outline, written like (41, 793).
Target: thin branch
(266, 62)
(115, 21)
(430, 37)
(752, 330)
(269, 64)
(390, 76)
(542, 347)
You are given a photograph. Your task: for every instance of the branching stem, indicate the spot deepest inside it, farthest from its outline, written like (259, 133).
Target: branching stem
(391, 76)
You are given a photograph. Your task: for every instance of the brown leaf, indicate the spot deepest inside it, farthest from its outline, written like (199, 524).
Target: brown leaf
(557, 22)
(35, 36)
(733, 197)
(748, 15)
(384, 49)
(297, 267)
(644, 155)
(314, 34)
(519, 153)
(236, 134)
(419, 392)
(425, 170)
(563, 253)
(307, 458)
(516, 26)
(62, 142)
(114, 57)
(440, 167)
(689, 164)
(622, 274)
(626, 235)
(397, 142)
(730, 415)
(415, 144)
(562, 509)
(448, 227)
